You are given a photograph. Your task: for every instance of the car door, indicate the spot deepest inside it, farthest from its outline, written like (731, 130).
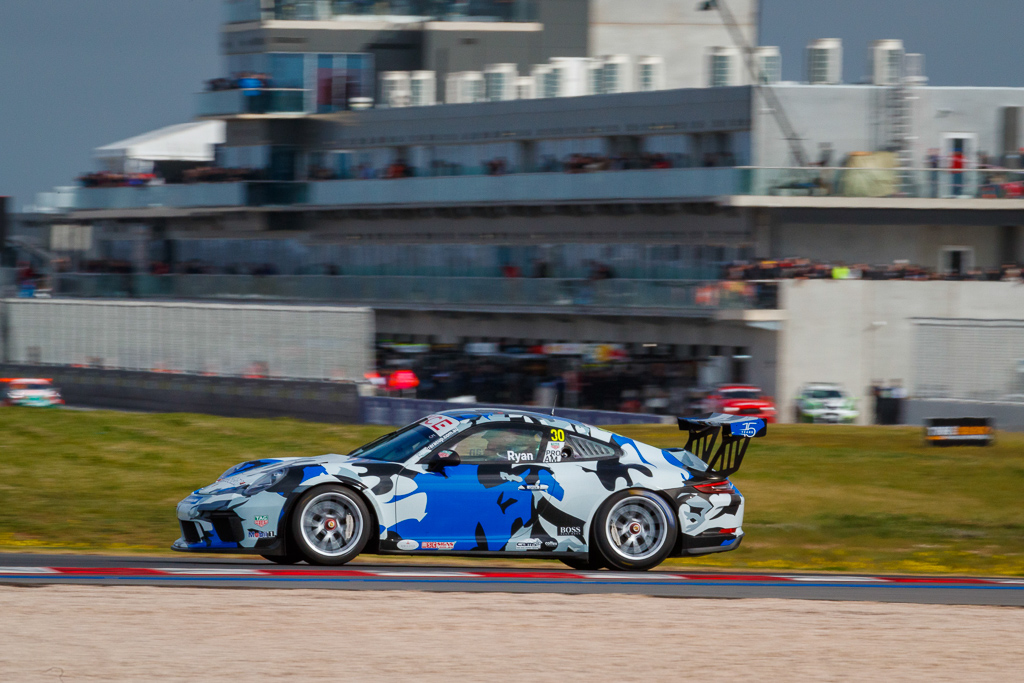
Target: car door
(480, 504)
(576, 474)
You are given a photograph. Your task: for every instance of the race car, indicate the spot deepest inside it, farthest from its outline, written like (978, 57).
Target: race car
(38, 393)
(485, 482)
(825, 402)
(740, 399)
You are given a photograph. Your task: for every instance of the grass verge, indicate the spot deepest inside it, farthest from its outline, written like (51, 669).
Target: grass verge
(861, 499)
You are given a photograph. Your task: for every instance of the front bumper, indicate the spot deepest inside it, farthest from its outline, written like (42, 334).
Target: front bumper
(828, 415)
(231, 523)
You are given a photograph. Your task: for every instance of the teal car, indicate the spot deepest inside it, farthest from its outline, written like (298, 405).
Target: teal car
(36, 393)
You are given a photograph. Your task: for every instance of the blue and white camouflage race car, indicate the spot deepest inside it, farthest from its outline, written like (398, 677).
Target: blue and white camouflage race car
(485, 482)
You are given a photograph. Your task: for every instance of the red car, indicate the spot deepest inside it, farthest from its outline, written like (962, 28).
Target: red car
(740, 399)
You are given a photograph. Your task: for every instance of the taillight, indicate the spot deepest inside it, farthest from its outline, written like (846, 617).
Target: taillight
(715, 487)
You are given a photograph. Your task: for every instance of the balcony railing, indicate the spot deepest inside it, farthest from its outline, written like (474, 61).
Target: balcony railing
(634, 186)
(682, 296)
(258, 101)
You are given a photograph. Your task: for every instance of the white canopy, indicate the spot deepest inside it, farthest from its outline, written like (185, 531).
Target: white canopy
(182, 142)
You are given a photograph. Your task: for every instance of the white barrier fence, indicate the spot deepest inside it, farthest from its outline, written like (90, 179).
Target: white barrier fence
(287, 342)
(969, 359)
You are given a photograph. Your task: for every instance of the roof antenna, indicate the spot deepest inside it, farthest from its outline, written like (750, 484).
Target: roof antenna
(554, 402)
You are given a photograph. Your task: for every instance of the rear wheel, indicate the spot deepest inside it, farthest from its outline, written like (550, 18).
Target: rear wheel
(330, 525)
(635, 530)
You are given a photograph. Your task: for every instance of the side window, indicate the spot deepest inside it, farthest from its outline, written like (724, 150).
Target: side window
(499, 444)
(588, 449)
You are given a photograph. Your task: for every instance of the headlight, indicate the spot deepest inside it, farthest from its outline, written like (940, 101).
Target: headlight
(265, 482)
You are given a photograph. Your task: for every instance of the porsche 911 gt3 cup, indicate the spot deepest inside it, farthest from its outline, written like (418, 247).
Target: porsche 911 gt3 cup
(485, 482)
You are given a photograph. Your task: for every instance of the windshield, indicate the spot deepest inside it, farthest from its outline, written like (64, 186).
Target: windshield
(824, 393)
(741, 393)
(398, 445)
(30, 387)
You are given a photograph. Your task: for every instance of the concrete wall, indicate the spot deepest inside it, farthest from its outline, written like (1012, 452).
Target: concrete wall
(854, 331)
(227, 396)
(849, 118)
(920, 244)
(672, 29)
(297, 342)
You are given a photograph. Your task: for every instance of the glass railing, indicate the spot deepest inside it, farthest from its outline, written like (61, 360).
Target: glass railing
(440, 292)
(262, 101)
(442, 10)
(921, 183)
(634, 186)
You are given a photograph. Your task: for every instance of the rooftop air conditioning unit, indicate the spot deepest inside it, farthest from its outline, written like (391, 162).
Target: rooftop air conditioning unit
(885, 59)
(617, 74)
(464, 87)
(913, 68)
(595, 77)
(650, 73)
(499, 82)
(545, 81)
(723, 67)
(525, 88)
(768, 63)
(423, 88)
(571, 75)
(395, 90)
(825, 61)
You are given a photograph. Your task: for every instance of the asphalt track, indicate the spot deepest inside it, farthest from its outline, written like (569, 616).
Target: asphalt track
(229, 572)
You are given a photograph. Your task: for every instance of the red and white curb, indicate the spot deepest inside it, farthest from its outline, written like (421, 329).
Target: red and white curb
(491, 575)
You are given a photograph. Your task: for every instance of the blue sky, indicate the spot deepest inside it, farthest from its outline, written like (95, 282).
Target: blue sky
(77, 74)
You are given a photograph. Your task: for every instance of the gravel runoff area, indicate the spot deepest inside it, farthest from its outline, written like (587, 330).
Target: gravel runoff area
(91, 633)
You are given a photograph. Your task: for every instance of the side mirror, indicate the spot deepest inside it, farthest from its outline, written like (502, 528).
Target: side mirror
(441, 459)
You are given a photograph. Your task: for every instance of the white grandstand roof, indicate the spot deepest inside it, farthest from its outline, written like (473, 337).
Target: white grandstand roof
(182, 142)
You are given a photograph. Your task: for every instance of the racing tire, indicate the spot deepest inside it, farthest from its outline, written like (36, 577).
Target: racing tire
(635, 530)
(330, 525)
(592, 561)
(291, 558)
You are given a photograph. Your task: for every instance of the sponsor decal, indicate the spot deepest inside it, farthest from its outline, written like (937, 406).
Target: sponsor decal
(570, 531)
(964, 430)
(408, 544)
(748, 429)
(440, 424)
(529, 544)
(444, 454)
(550, 544)
(512, 456)
(260, 520)
(256, 533)
(535, 487)
(438, 545)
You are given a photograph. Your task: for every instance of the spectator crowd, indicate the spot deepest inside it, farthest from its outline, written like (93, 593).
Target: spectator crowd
(806, 269)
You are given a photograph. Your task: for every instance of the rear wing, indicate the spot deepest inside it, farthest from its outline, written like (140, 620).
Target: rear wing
(736, 434)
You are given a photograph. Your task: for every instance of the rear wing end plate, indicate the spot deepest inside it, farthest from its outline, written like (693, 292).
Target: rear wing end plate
(736, 432)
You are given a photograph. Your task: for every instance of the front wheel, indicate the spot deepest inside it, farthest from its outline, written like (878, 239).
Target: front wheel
(330, 525)
(635, 530)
